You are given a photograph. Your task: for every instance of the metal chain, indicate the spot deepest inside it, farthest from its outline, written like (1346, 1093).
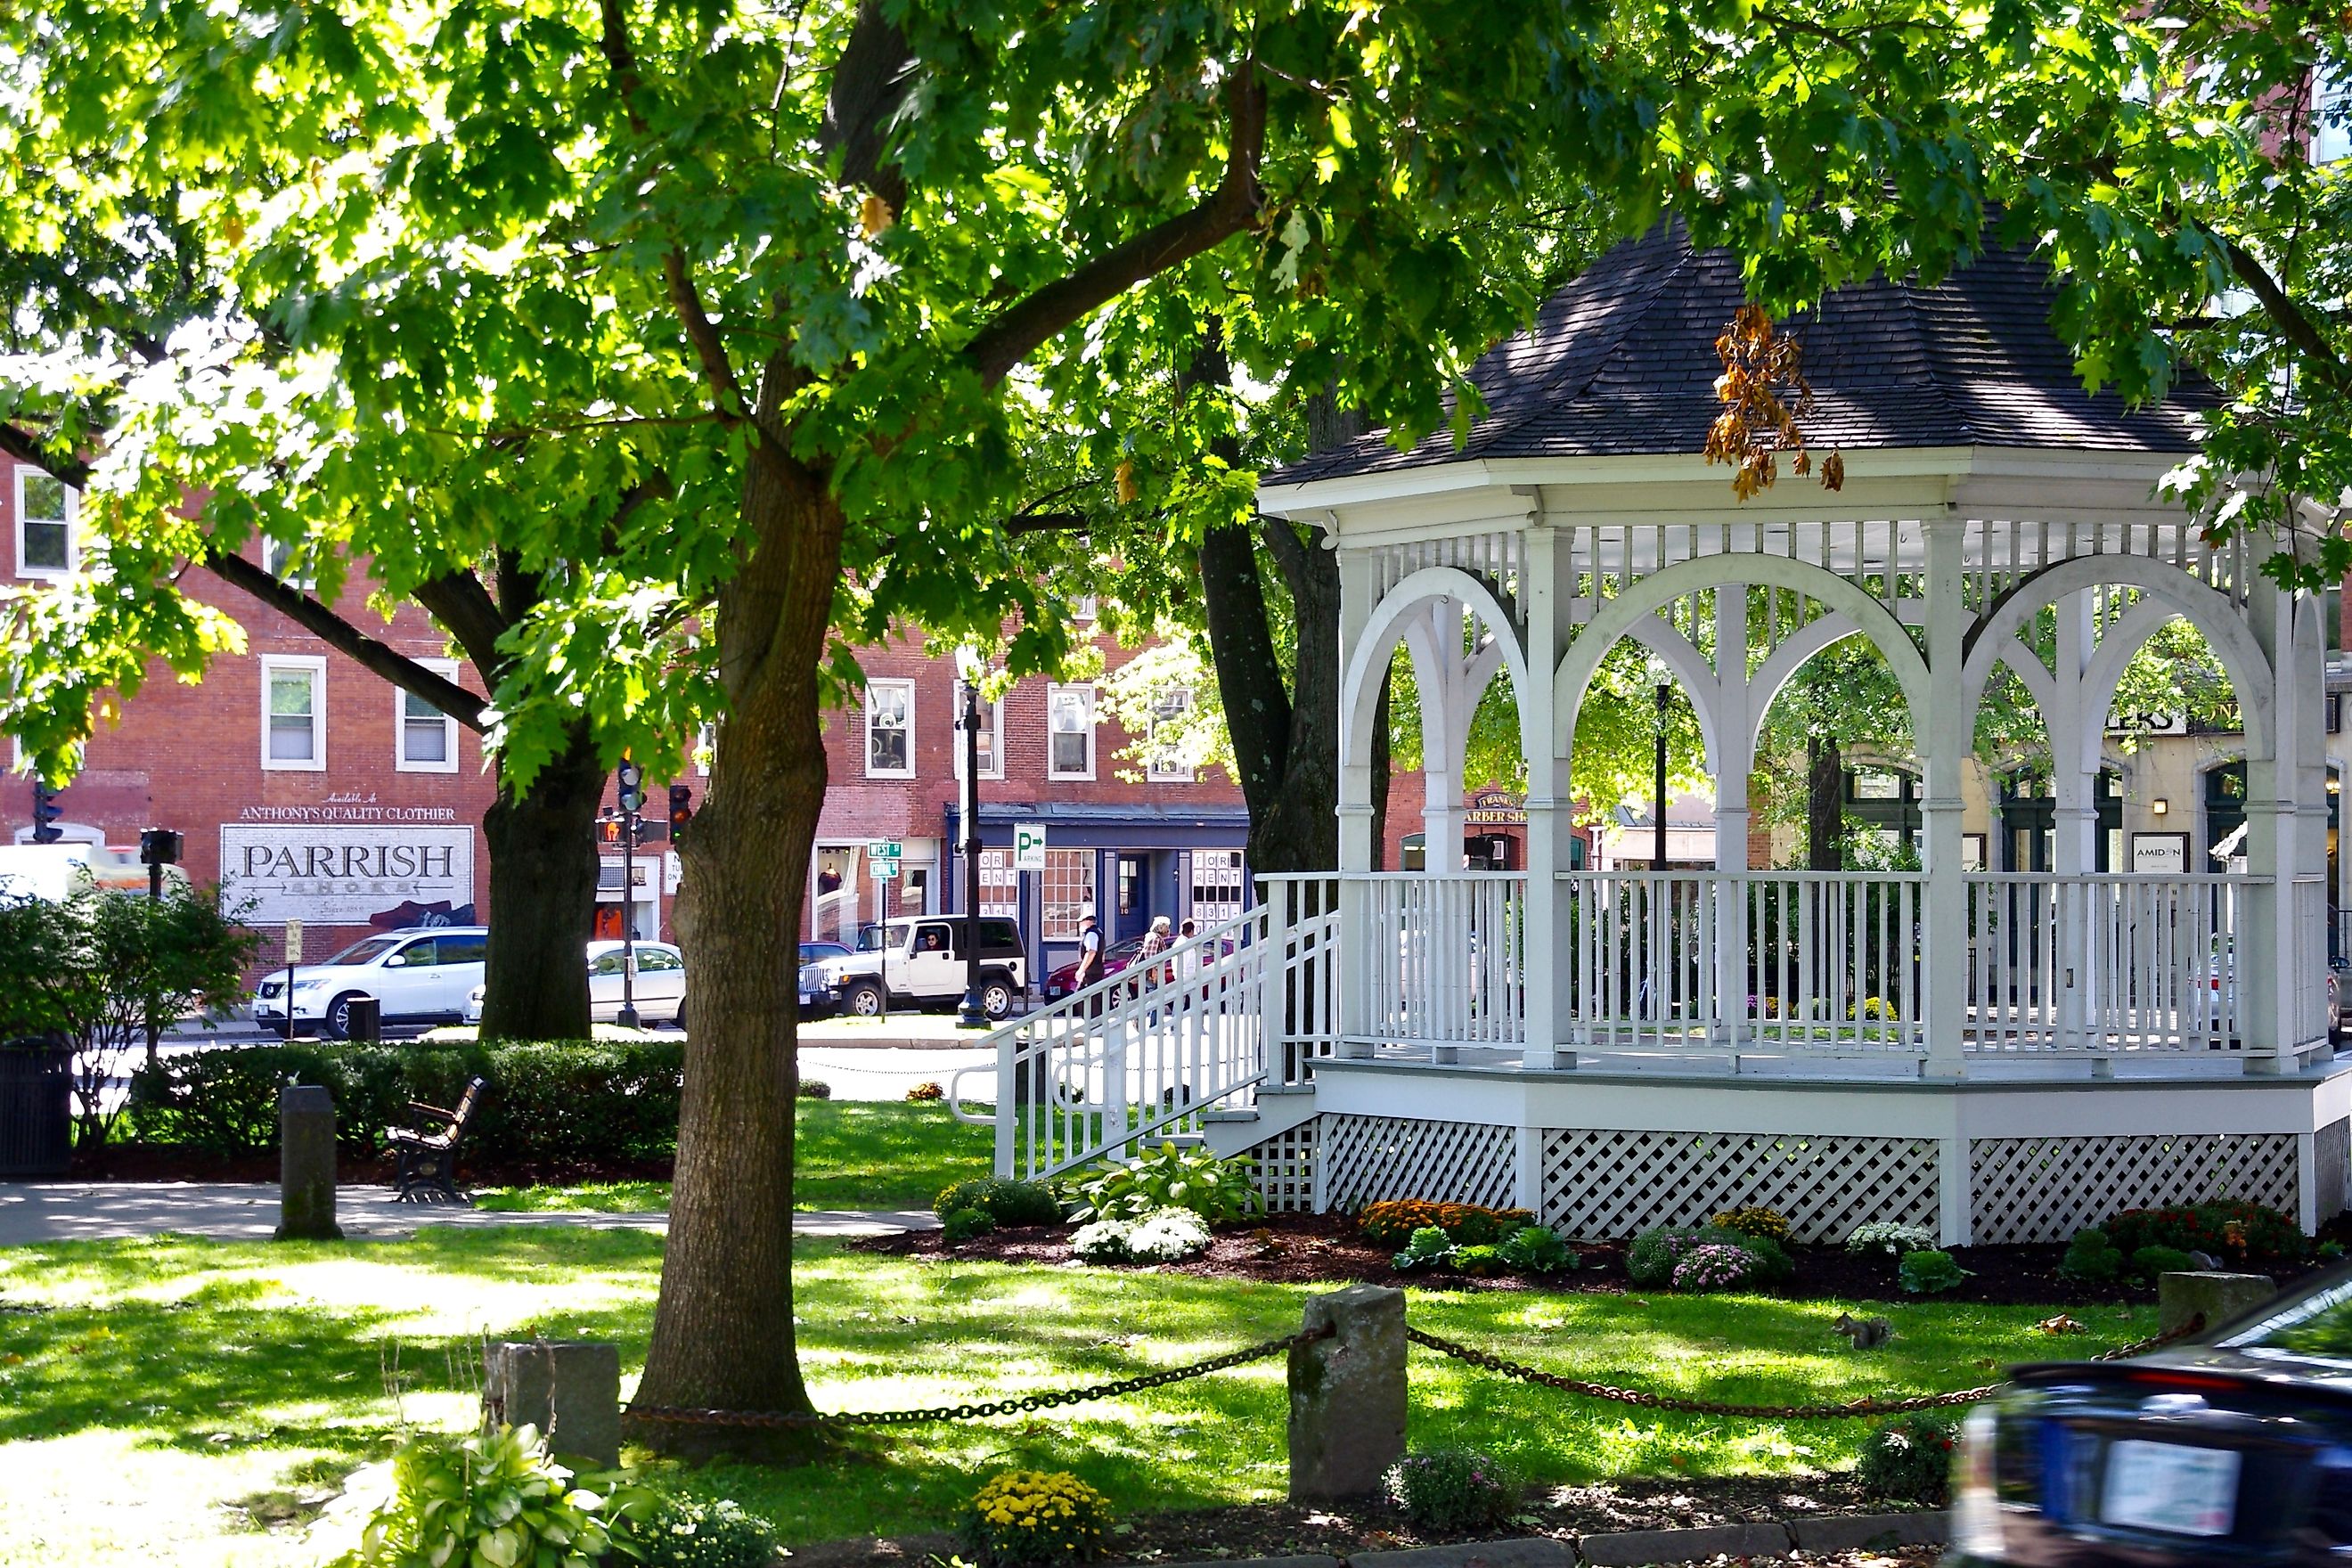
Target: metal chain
(782, 1419)
(1855, 1407)
(778, 1419)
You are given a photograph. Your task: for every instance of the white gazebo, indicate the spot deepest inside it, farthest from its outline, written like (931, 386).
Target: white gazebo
(2001, 1056)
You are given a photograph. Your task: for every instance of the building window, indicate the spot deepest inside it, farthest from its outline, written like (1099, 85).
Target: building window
(706, 746)
(285, 561)
(1082, 608)
(890, 729)
(1069, 894)
(427, 741)
(2331, 117)
(46, 509)
(1070, 733)
(991, 741)
(1164, 761)
(294, 712)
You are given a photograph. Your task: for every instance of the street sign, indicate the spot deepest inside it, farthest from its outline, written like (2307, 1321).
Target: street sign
(1028, 845)
(882, 857)
(883, 870)
(293, 941)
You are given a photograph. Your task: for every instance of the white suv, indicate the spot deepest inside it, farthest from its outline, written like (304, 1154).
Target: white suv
(419, 977)
(920, 960)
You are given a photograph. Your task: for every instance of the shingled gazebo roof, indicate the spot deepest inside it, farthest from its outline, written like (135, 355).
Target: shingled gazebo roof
(1622, 363)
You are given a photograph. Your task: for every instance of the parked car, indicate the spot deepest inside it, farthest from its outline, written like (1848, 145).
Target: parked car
(922, 959)
(419, 977)
(813, 951)
(660, 989)
(2235, 1448)
(1117, 956)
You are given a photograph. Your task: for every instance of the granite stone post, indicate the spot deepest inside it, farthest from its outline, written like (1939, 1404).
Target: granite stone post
(2180, 1297)
(569, 1389)
(1347, 1394)
(305, 1169)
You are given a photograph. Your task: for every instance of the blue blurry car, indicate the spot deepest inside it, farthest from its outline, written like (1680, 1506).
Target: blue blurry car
(2235, 1447)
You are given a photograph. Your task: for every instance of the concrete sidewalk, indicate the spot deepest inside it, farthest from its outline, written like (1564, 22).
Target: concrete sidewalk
(245, 1211)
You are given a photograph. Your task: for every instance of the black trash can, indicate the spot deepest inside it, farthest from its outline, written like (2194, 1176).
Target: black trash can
(366, 1019)
(35, 1107)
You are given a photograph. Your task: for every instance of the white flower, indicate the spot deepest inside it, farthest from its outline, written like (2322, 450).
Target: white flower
(1168, 1234)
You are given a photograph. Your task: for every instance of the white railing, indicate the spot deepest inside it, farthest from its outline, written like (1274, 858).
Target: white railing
(1443, 957)
(2312, 1025)
(2108, 963)
(1806, 961)
(1150, 1052)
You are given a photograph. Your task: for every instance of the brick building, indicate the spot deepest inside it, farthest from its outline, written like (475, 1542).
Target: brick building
(1129, 835)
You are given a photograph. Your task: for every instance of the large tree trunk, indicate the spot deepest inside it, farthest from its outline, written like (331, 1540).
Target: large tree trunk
(544, 866)
(722, 1334)
(1824, 805)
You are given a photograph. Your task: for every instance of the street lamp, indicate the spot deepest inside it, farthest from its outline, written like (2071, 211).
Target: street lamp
(631, 797)
(971, 667)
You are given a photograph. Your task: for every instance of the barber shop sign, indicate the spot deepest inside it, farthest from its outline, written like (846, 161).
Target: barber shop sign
(343, 876)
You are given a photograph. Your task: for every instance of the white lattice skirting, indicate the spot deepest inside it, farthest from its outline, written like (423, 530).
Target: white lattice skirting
(2046, 1189)
(1614, 1184)
(1371, 1158)
(1285, 1168)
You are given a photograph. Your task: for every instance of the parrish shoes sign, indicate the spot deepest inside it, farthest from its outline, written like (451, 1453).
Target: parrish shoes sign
(337, 876)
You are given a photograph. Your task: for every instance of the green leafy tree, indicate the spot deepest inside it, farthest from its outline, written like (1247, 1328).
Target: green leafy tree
(105, 971)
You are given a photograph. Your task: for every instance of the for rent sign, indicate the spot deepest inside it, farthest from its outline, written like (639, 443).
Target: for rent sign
(339, 876)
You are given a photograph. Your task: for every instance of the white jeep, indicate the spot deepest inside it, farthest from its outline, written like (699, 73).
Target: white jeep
(919, 960)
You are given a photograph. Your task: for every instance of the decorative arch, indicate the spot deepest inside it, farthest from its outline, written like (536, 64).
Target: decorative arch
(2207, 610)
(1698, 677)
(1621, 616)
(1359, 687)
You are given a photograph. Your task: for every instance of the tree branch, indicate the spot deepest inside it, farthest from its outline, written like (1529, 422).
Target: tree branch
(20, 444)
(1231, 208)
(345, 638)
(870, 82)
(2294, 325)
(465, 611)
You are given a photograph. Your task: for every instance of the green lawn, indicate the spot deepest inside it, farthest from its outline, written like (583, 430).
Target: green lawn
(852, 1154)
(162, 1400)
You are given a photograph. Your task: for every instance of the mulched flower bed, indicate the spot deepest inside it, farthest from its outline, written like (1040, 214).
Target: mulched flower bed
(1317, 1249)
(1282, 1529)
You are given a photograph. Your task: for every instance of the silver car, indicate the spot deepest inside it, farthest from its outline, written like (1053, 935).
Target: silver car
(660, 989)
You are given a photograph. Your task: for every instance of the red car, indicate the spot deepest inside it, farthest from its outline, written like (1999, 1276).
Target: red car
(1116, 957)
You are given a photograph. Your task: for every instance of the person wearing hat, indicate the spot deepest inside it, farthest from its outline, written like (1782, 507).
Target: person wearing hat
(1090, 960)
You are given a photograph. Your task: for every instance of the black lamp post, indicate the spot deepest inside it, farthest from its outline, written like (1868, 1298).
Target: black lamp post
(971, 1014)
(1658, 854)
(632, 796)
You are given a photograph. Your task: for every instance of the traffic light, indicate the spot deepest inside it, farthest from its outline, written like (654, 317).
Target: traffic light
(632, 779)
(681, 810)
(161, 846)
(608, 829)
(45, 812)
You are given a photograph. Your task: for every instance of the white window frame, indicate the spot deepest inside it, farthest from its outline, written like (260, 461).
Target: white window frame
(282, 561)
(315, 666)
(706, 746)
(1053, 702)
(866, 730)
(993, 767)
(1152, 770)
(400, 760)
(25, 473)
(2330, 143)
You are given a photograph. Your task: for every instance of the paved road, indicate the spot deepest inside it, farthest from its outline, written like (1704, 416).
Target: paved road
(88, 1211)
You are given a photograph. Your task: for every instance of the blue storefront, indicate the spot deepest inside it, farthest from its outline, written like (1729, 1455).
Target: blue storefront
(1123, 864)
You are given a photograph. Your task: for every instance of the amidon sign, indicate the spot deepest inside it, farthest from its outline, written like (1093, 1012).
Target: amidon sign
(336, 875)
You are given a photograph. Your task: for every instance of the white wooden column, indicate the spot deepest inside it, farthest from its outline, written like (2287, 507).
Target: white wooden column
(1359, 594)
(1543, 595)
(1734, 759)
(2074, 733)
(1945, 735)
(1442, 679)
(2263, 963)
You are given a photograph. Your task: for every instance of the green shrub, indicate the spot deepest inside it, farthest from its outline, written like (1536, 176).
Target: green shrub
(812, 1089)
(2090, 1259)
(1909, 1459)
(1025, 1519)
(1009, 1202)
(960, 1226)
(1930, 1272)
(568, 1103)
(1889, 1238)
(1428, 1248)
(687, 1533)
(1453, 1489)
(1171, 1178)
(1483, 1262)
(2151, 1261)
(1653, 1257)
(1537, 1249)
(1714, 1265)
(2328, 1252)
(490, 1499)
(2238, 1230)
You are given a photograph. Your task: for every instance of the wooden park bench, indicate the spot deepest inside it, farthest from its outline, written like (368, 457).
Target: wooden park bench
(428, 1161)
